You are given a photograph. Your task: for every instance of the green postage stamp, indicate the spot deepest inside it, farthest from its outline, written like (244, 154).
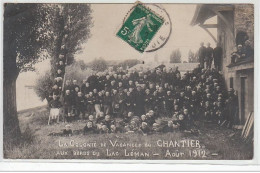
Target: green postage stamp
(140, 27)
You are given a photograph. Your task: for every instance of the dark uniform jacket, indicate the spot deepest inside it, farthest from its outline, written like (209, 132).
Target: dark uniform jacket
(55, 104)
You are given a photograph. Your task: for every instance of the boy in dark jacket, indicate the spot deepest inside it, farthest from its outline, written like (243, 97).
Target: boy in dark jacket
(80, 105)
(168, 103)
(168, 128)
(89, 128)
(107, 103)
(68, 106)
(144, 129)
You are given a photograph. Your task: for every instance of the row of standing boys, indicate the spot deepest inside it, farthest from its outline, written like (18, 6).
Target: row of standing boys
(140, 97)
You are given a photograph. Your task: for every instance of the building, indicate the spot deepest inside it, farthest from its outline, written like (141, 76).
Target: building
(182, 67)
(235, 24)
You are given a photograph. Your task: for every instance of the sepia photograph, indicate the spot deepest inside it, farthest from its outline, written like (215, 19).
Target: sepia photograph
(128, 81)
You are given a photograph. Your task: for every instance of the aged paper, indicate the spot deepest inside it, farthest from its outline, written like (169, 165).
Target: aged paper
(135, 81)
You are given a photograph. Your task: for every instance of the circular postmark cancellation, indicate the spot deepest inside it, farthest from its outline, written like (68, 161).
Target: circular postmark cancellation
(164, 33)
(146, 28)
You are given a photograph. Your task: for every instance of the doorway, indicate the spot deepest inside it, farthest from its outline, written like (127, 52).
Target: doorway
(243, 99)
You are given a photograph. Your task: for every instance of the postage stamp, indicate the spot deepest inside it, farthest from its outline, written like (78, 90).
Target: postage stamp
(140, 27)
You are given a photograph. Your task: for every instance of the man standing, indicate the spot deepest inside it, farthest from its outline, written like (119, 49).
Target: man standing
(202, 53)
(139, 101)
(209, 56)
(217, 55)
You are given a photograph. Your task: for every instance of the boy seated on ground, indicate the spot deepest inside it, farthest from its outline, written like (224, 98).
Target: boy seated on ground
(55, 106)
(91, 119)
(107, 121)
(132, 127)
(180, 122)
(156, 128)
(128, 117)
(104, 129)
(143, 118)
(67, 131)
(150, 117)
(168, 128)
(89, 129)
(100, 118)
(113, 129)
(99, 127)
(144, 129)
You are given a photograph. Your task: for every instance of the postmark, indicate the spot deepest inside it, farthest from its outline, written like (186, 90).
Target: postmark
(164, 33)
(140, 27)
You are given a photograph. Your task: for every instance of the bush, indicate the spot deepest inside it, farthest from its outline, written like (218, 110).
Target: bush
(43, 85)
(175, 56)
(98, 64)
(76, 71)
(128, 63)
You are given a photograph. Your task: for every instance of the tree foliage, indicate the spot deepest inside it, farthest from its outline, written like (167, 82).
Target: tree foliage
(71, 24)
(33, 32)
(98, 64)
(128, 63)
(175, 56)
(193, 57)
(43, 85)
(76, 71)
(24, 36)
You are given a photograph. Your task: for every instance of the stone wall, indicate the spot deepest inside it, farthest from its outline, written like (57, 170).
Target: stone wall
(244, 19)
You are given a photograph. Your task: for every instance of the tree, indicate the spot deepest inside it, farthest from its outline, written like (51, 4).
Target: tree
(128, 63)
(175, 56)
(43, 85)
(193, 58)
(98, 64)
(22, 45)
(72, 28)
(33, 32)
(76, 71)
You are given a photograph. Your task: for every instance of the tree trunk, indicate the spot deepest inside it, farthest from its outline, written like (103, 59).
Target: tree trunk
(11, 131)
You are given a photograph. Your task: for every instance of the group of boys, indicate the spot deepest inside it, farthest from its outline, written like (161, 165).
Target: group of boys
(144, 95)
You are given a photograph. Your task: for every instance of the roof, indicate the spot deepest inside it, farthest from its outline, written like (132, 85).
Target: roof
(204, 12)
(182, 67)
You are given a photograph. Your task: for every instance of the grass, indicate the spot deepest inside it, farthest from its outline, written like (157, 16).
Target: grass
(215, 143)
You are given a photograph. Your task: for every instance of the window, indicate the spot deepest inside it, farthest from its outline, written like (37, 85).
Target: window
(241, 37)
(231, 84)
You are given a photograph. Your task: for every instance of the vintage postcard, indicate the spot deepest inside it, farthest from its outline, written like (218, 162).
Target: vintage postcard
(128, 81)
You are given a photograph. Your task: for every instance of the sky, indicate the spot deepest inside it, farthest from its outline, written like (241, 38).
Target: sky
(108, 18)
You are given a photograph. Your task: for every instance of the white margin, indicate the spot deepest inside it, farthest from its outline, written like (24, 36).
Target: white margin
(140, 165)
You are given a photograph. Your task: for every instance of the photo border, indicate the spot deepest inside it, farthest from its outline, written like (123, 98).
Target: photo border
(40, 164)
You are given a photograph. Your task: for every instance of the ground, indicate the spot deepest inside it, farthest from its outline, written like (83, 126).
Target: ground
(212, 143)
